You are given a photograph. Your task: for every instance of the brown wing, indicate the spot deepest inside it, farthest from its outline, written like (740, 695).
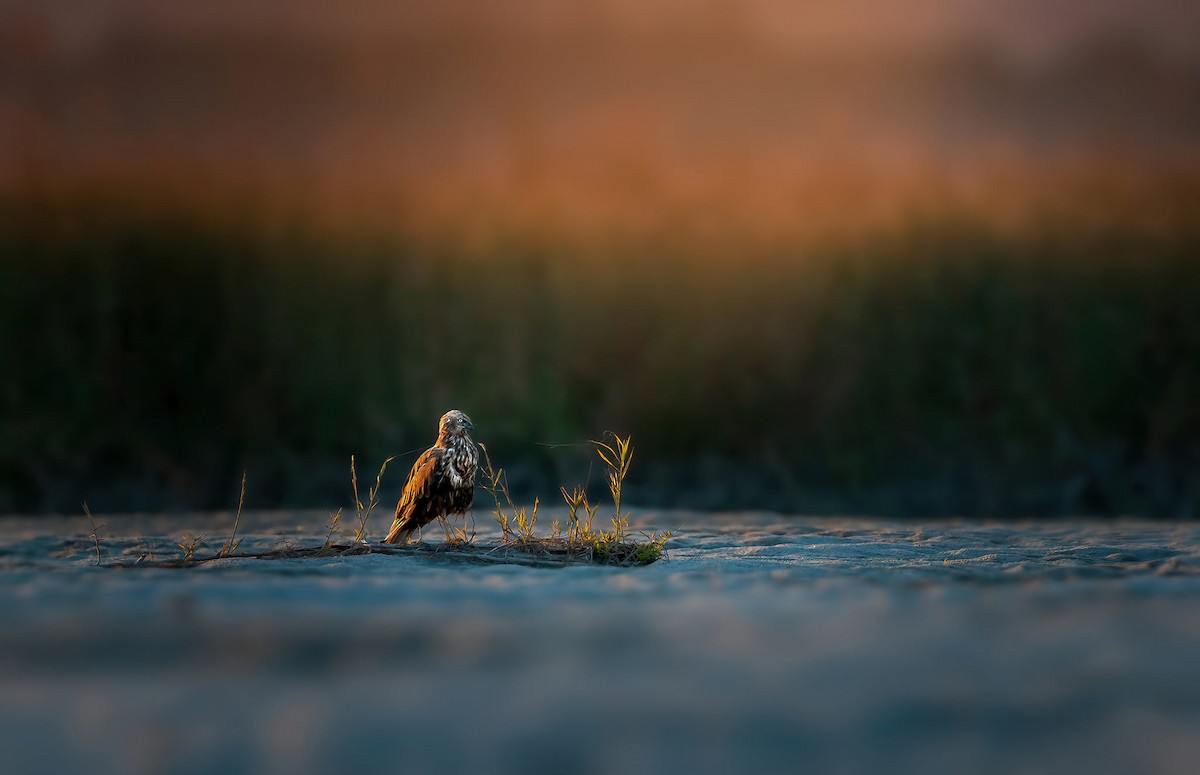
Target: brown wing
(420, 502)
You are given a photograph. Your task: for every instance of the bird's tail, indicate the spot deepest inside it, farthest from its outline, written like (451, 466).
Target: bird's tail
(400, 533)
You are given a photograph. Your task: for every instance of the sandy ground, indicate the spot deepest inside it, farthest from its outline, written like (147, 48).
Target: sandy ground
(764, 643)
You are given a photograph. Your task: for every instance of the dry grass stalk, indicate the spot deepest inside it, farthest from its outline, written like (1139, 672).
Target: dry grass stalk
(95, 530)
(188, 544)
(361, 512)
(458, 535)
(496, 484)
(335, 521)
(234, 542)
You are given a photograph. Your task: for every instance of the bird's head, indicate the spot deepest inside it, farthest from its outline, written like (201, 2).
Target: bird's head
(455, 423)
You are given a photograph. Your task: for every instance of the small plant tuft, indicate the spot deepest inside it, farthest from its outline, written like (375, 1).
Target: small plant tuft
(527, 521)
(579, 530)
(653, 548)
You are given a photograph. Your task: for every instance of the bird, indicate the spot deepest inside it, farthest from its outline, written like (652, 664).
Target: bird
(441, 482)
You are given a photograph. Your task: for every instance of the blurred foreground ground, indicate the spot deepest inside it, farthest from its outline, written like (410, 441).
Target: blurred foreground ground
(764, 643)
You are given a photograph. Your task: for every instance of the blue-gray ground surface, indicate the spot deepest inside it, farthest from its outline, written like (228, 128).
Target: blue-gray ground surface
(763, 643)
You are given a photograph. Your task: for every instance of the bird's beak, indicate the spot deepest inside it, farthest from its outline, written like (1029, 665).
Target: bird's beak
(469, 425)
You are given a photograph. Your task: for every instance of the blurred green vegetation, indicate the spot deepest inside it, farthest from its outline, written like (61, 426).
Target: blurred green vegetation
(943, 368)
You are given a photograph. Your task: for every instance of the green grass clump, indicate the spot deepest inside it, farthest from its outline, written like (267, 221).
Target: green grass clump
(608, 547)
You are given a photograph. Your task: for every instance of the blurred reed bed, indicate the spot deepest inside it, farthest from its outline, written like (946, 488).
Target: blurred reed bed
(943, 363)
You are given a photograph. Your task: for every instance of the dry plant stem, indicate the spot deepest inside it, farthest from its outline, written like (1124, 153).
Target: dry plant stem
(332, 528)
(232, 544)
(363, 513)
(468, 537)
(358, 507)
(188, 545)
(95, 530)
(496, 484)
(508, 497)
(458, 535)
